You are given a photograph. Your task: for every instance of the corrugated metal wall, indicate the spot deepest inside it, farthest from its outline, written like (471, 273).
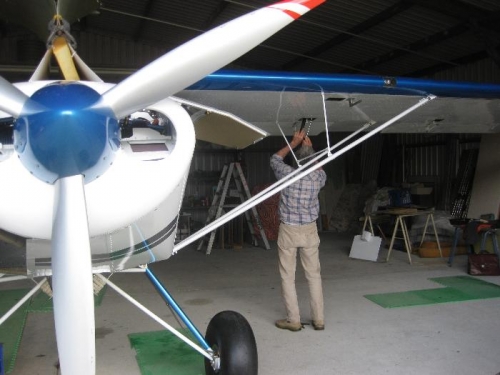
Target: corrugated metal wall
(430, 159)
(204, 174)
(205, 167)
(256, 160)
(484, 71)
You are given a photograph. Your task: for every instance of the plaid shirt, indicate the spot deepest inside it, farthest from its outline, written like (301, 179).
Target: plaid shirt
(299, 202)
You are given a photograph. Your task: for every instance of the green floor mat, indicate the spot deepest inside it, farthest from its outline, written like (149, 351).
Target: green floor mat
(161, 352)
(458, 288)
(43, 303)
(11, 330)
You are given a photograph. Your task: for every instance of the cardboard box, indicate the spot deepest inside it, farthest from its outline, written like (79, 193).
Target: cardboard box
(421, 190)
(429, 249)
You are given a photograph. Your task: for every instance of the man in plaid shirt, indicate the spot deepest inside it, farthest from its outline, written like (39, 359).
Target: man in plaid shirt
(299, 209)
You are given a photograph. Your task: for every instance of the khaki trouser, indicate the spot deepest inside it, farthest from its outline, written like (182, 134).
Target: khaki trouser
(306, 239)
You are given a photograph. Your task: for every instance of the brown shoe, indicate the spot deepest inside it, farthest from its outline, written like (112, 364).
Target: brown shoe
(285, 324)
(318, 326)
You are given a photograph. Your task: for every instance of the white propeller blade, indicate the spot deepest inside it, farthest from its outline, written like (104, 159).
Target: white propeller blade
(201, 56)
(12, 100)
(72, 279)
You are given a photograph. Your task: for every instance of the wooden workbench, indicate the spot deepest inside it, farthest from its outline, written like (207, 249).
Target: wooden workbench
(401, 214)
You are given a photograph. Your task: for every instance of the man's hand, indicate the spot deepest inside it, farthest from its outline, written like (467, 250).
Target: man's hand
(298, 138)
(307, 142)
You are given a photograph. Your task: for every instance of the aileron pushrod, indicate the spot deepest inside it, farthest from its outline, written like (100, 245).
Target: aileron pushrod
(297, 175)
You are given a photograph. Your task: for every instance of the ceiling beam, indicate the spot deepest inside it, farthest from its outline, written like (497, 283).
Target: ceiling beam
(491, 21)
(142, 21)
(479, 21)
(357, 29)
(490, 40)
(452, 8)
(431, 70)
(3, 28)
(216, 12)
(461, 11)
(413, 48)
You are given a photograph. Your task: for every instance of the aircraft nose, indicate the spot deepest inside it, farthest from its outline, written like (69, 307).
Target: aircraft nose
(67, 138)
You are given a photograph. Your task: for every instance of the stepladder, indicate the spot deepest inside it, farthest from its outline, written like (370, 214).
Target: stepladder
(232, 176)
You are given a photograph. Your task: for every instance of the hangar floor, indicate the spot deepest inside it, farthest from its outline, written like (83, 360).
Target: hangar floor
(361, 337)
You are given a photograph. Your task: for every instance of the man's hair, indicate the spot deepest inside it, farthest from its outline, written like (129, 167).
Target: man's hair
(304, 151)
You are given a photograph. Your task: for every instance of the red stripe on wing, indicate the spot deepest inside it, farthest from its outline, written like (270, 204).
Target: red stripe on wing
(311, 4)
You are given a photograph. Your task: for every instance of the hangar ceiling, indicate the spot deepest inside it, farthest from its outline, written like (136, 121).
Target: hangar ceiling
(412, 38)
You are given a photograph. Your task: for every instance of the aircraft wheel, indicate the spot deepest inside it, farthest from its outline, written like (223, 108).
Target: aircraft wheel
(232, 339)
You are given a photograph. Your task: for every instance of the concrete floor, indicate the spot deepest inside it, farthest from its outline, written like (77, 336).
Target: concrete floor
(360, 336)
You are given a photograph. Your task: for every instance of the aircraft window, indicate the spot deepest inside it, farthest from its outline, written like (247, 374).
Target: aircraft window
(148, 135)
(147, 119)
(148, 147)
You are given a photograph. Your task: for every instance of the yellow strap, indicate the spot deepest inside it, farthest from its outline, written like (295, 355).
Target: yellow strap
(64, 59)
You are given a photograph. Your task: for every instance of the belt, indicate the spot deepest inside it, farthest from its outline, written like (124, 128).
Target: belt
(298, 225)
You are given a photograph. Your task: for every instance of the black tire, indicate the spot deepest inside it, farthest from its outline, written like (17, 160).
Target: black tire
(231, 337)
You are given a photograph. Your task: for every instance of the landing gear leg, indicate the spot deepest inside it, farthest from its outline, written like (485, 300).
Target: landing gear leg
(229, 346)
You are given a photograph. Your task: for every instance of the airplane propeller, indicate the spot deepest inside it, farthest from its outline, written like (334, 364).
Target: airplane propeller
(12, 100)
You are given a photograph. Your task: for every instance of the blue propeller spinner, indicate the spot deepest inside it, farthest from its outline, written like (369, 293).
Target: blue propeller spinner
(68, 136)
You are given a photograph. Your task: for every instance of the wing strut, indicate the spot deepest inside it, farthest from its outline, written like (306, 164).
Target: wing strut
(297, 175)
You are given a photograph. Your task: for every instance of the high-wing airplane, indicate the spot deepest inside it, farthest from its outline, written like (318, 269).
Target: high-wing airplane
(76, 179)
